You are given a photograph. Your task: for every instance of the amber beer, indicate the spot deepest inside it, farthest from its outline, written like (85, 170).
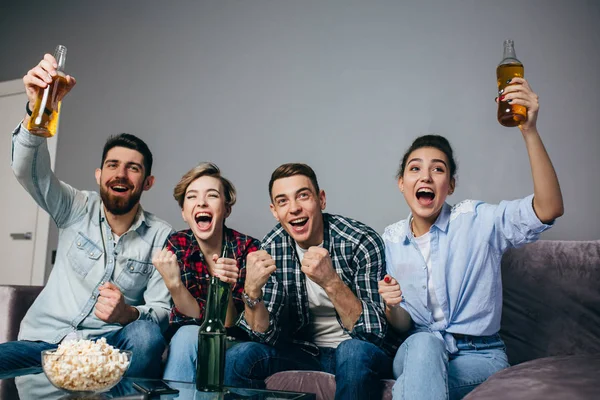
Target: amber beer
(510, 67)
(46, 110)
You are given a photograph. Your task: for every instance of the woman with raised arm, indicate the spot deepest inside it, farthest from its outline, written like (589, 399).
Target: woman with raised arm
(444, 283)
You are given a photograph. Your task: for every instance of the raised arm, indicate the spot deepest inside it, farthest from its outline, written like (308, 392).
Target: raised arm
(547, 200)
(31, 160)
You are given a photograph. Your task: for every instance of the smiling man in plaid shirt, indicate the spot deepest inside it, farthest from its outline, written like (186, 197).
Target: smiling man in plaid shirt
(311, 294)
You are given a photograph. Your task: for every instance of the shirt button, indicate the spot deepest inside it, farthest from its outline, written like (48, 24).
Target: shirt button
(424, 287)
(82, 314)
(92, 254)
(131, 268)
(78, 243)
(110, 261)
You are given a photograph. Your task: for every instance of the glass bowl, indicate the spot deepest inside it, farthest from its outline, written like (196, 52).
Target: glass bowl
(82, 373)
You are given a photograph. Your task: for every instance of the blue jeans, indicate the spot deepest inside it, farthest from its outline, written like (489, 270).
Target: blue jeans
(183, 352)
(357, 365)
(143, 338)
(425, 370)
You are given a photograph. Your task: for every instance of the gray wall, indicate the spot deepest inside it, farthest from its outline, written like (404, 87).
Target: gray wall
(341, 85)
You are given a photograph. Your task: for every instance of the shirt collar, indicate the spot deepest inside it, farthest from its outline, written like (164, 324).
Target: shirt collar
(228, 237)
(138, 220)
(440, 223)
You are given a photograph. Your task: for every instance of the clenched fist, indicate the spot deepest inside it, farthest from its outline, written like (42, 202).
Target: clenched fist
(259, 267)
(390, 291)
(317, 265)
(166, 265)
(111, 306)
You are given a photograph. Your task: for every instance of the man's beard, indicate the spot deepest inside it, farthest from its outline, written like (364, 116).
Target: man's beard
(119, 205)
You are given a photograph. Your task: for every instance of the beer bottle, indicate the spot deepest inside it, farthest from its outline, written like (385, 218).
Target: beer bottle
(46, 111)
(210, 367)
(509, 114)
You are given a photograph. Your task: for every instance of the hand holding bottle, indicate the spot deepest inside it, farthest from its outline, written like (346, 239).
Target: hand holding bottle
(46, 85)
(40, 76)
(225, 269)
(519, 92)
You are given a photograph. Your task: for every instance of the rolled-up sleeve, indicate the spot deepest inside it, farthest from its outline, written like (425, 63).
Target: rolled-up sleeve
(370, 262)
(515, 223)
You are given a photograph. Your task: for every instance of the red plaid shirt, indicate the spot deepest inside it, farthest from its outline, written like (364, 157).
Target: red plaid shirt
(194, 271)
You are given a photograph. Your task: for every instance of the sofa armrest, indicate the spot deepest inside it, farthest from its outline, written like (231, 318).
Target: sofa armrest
(15, 300)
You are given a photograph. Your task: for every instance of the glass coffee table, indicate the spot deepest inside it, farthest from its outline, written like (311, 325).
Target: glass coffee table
(31, 383)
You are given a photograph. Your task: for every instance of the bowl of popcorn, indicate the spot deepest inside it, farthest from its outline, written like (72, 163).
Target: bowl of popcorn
(85, 366)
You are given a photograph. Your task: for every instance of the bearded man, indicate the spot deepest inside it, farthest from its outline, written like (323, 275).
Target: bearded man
(103, 283)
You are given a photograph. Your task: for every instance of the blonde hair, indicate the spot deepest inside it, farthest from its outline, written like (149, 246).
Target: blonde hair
(204, 169)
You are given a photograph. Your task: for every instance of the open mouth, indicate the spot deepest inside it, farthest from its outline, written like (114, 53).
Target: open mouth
(425, 196)
(120, 187)
(203, 220)
(299, 223)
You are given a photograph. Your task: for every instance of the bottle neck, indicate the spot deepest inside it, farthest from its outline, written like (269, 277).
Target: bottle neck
(60, 54)
(214, 303)
(510, 56)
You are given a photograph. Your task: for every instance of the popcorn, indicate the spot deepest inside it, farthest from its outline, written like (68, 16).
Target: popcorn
(85, 365)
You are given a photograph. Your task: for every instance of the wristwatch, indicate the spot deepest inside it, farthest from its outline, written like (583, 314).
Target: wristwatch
(250, 302)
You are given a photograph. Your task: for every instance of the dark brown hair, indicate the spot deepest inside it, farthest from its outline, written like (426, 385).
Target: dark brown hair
(291, 169)
(435, 141)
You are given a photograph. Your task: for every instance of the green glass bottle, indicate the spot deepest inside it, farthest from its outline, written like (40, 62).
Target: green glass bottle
(210, 367)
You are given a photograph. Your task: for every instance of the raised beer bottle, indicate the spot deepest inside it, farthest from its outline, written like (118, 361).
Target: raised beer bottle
(509, 114)
(46, 110)
(210, 367)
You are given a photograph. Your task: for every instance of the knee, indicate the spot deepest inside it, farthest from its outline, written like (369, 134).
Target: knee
(356, 358)
(242, 359)
(355, 349)
(245, 353)
(422, 346)
(425, 341)
(145, 336)
(185, 339)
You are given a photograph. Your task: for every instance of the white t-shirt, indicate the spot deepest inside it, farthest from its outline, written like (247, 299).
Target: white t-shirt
(325, 328)
(424, 242)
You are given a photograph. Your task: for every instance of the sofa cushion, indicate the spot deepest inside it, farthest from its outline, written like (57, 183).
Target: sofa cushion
(320, 383)
(561, 377)
(551, 301)
(14, 303)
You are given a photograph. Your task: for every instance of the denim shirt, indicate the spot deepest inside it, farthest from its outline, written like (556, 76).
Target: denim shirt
(467, 243)
(86, 257)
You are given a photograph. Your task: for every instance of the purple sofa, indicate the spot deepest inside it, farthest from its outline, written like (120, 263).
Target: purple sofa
(550, 324)
(14, 303)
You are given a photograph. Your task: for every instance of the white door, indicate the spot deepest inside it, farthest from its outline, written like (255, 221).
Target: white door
(23, 225)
